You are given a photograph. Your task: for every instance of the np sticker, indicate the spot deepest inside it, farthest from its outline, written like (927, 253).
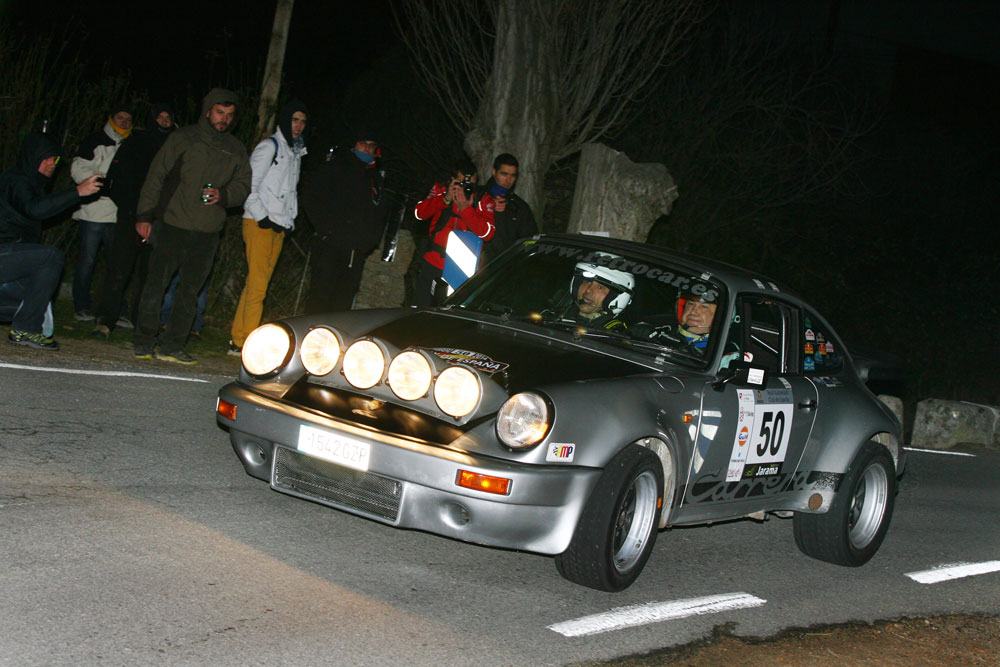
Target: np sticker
(560, 452)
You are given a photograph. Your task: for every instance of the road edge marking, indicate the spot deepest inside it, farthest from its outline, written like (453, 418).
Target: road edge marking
(654, 612)
(76, 371)
(949, 571)
(937, 451)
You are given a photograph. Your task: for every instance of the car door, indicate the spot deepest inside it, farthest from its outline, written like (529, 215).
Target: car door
(750, 439)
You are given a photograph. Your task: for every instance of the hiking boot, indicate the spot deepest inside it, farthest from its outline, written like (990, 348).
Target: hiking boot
(234, 350)
(35, 340)
(101, 331)
(83, 315)
(143, 351)
(124, 323)
(178, 357)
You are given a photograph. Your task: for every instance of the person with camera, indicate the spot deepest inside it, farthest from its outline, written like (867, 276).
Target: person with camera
(97, 216)
(454, 204)
(30, 270)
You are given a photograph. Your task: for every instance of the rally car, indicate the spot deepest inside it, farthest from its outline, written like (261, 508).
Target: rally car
(573, 398)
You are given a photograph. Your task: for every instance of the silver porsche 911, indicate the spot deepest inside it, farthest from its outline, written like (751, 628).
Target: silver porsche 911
(574, 398)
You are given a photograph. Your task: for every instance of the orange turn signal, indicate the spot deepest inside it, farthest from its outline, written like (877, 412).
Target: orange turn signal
(480, 482)
(226, 409)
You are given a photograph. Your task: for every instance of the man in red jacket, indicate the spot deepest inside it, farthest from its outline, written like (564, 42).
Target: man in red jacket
(454, 204)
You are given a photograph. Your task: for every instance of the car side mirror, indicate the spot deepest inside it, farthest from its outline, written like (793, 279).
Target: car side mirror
(742, 374)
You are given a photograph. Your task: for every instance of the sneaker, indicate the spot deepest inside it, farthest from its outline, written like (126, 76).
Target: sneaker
(178, 357)
(83, 315)
(143, 351)
(101, 331)
(35, 340)
(234, 350)
(124, 323)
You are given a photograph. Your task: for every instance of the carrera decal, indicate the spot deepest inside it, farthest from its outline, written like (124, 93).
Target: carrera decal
(560, 452)
(785, 383)
(763, 429)
(468, 358)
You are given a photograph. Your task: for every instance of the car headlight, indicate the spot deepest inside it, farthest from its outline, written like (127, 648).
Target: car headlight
(364, 364)
(523, 420)
(265, 349)
(319, 351)
(457, 391)
(409, 376)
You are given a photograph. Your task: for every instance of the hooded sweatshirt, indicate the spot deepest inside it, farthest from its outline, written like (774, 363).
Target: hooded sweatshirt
(23, 202)
(131, 162)
(94, 157)
(276, 165)
(195, 156)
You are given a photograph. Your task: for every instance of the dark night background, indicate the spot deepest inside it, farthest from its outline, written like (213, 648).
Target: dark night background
(901, 256)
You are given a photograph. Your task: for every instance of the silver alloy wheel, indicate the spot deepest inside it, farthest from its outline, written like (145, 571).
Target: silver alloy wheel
(634, 523)
(868, 506)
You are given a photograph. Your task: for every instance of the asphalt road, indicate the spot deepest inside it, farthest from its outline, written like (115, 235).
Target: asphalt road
(129, 534)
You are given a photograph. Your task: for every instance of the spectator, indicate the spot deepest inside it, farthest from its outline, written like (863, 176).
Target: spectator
(269, 214)
(451, 204)
(344, 202)
(199, 313)
(514, 219)
(23, 206)
(212, 172)
(97, 216)
(128, 250)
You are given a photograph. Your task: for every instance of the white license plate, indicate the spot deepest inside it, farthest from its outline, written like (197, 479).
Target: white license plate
(334, 447)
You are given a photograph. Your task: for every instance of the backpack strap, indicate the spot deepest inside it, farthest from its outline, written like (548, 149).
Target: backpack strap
(274, 158)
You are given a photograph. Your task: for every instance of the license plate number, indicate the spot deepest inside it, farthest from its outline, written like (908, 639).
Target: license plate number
(334, 447)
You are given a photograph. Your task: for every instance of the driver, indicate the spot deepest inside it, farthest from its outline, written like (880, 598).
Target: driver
(600, 294)
(695, 314)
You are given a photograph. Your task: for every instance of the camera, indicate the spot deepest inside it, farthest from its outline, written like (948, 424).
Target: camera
(468, 187)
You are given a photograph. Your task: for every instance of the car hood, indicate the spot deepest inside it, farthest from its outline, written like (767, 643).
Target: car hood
(518, 359)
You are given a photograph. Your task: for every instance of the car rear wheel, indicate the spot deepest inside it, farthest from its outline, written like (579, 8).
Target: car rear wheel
(852, 530)
(618, 527)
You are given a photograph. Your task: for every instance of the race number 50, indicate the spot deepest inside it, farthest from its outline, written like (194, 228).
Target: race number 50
(772, 424)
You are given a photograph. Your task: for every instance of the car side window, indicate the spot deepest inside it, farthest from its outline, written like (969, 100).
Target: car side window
(763, 332)
(820, 351)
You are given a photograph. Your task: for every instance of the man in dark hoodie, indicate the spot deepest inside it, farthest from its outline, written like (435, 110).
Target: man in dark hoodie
(269, 213)
(129, 250)
(513, 217)
(34, 266)
(199, 172)
(343, 199)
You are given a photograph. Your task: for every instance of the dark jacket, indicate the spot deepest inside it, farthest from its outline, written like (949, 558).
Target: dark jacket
(23, 202)
(192, 157)
(515, 222)
(343, 200)
(131, 163)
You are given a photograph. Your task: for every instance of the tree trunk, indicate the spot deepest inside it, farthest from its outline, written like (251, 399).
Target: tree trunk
(617, 196)
(518, 113)
(272, 69)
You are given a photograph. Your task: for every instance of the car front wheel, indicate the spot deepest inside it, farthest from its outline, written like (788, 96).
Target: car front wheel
(852, 530)
(618, 527)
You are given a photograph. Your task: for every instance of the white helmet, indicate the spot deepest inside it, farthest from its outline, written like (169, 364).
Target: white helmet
(620, 283)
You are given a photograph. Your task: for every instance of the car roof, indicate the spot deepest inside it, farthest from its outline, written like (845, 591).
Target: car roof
(735, 278)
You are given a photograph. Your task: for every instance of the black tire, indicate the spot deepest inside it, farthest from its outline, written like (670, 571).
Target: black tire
(618, 528)
(852, 530)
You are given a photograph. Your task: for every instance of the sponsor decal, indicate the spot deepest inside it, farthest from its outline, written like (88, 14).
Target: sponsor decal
(762, 470)
(785, 383)
(809, 348)
(763, 431)
(560, 452)
(469, 358)
(828, 381)
(808, 364)
(829, 347)
(810, 335)
(743, 436)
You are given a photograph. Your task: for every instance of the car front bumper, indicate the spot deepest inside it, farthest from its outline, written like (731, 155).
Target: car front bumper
(408, 483)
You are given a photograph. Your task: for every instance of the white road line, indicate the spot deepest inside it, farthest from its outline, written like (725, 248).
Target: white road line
(937, 451)
(73, 371)
(950, 571)
(653, 612)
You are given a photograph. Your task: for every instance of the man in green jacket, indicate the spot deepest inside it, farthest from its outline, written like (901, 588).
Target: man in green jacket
(200, 171)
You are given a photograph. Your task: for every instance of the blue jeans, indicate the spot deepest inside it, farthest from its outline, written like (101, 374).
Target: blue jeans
(90, 236)
(168, 303)
(36, 268)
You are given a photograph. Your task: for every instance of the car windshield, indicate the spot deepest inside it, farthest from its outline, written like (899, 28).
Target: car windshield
(613, 297)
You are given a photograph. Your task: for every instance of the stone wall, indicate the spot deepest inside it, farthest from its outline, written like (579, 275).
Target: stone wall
(382, 282)
(941, 424)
